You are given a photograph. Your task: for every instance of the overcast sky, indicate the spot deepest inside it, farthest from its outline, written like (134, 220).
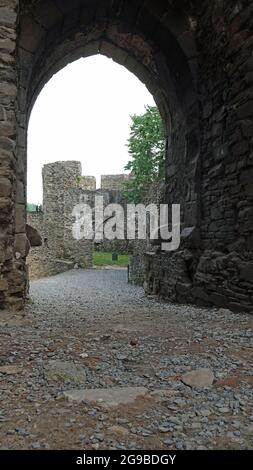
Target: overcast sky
(83, 113)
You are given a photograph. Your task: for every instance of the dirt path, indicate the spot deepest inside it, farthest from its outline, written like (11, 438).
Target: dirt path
(91, 330)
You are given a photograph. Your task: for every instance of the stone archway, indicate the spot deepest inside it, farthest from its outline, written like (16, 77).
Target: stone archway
(188, 56)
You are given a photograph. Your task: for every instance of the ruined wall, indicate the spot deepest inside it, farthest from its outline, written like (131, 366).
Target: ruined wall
(114, 182)
(196, 59)
(60, 251)
(63, 188)
(113, 191)
(214, 265)
(143, 249)
(13, 242)
(88, 183)
(42, 261)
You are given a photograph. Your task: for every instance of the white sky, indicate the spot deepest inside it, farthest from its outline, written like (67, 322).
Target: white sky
(83, 113)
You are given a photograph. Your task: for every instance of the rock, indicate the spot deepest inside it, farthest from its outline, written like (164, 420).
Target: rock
(95, 446)
(199, 378)
(20, 217)
(168, 442)
(5, 187)
(99, 437)
(9, 370)
(22, 244)
(224, 311)
(164, 429)
(205, 413)
(84, 355)
(33, 236)
(111, 397)
(232, 382)
(36, 445)
(119, 430)
(3, 285)
(22, 432)
(65, 372)
(224, 410)
(133, 342)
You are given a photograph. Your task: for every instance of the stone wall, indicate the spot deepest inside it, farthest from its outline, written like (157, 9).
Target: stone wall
(88, 183)
(13, 242)
(42, 261)
(63, 188)
(214, 265)
(143, 248)
(196, 59)
(115, 196)
(113, 182)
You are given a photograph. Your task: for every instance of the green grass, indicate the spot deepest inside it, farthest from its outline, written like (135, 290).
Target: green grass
(105, 259)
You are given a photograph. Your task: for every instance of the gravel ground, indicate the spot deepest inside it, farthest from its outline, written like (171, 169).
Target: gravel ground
(114, 336)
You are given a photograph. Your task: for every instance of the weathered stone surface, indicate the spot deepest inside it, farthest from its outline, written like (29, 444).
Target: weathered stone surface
(20, 193)
(3, 282)
(3, 114)
(198, 378)
(8, 90)
(33, 236)
(119, 430)
(8, 15)
(63, 188)
(9, 370)
(7, 129)
(5, 187)
(22, 245)
(247, 272)
(232, 382)
(111, 397)
(20, 214)
(66, 372)
(7, 45)
(187, 68)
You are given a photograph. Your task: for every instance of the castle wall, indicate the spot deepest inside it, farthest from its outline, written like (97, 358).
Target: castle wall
(64, 187)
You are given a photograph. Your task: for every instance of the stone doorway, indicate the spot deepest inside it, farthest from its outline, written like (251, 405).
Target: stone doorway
(196, 61)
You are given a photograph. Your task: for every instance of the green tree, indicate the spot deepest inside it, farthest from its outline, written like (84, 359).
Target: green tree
(147, 150)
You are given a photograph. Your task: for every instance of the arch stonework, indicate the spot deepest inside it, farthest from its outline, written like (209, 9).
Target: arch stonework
(195, 58)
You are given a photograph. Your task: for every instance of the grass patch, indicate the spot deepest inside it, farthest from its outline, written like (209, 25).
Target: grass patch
(105, 259)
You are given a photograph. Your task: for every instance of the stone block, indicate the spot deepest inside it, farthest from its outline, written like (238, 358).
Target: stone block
(7, 45)
(20, 193)
(33, 236)
(7, 129)
(20, 218)
(245, 111)
(3, 285)
(246, 272)
(5, 187)
(200, 293)
(218, 299)
(22, 245)
(8, 15)
(3, 114)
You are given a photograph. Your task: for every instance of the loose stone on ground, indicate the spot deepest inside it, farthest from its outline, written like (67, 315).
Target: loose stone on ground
(94, 364)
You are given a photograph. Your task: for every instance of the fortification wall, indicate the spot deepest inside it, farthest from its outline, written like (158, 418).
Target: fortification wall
(64, 187)
(113, 182)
